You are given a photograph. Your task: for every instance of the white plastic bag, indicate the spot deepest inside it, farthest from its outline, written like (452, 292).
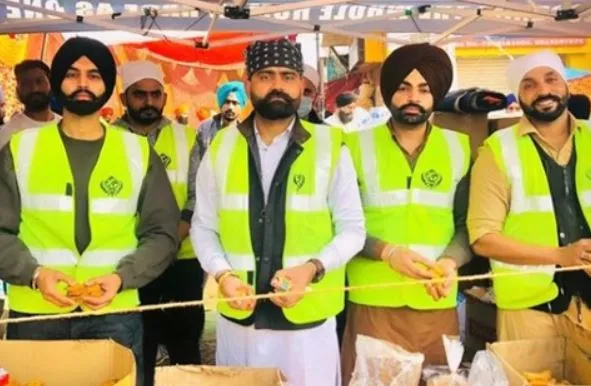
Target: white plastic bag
(381, 363)
(450, 375)
(487, 371)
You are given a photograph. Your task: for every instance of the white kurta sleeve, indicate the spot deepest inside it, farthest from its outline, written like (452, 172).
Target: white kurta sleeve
(344, 202)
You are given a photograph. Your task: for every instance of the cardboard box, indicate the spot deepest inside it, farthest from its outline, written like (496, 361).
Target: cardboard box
(68, 363)
(217, 376)
(562, 356)
(481, 321)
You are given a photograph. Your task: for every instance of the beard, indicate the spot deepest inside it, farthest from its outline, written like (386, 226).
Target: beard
(84, 107)
(275, 105)
(399, 115)
(542, 115)
(345, 117)
(229, 116)
(146, 115)
(36, 101)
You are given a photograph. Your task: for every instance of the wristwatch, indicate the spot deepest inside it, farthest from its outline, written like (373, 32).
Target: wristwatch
(320, 271)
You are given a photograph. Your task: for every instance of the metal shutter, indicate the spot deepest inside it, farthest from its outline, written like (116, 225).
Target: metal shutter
(484, 72)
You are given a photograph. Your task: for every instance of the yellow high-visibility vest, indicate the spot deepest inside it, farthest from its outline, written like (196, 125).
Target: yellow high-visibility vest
(47, 193)
(411, 208)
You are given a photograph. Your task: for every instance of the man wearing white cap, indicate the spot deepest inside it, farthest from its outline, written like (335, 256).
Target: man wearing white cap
(530, 209)
(179, 330)
(307, 109)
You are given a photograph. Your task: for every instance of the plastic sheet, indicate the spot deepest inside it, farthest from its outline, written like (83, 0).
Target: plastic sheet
(487, 371)
(449, 375)
(381, 363)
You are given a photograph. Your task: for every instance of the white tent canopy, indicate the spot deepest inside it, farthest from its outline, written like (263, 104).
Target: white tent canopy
(449, 20)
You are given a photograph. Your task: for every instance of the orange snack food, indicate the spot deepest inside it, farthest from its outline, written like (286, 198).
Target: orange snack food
(78, 291)
(439, 273)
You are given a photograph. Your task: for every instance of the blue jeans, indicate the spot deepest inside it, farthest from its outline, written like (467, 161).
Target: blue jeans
(125, 329)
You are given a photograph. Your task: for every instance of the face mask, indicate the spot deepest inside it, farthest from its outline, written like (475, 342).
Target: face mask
(305, 107)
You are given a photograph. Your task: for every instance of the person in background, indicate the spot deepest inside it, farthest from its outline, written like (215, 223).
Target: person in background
(308, 109)
(83, 205)
(512, 104)
(2, 107)
(287, 216)
(107, 114)
(579, 106)
(181, 114)
(348, 116)
(34, 92)
(231, 98)
(414, 187)
(178, 330)
(202, 114)
(530, 210)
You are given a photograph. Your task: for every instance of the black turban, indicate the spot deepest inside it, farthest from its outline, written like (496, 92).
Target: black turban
(274, 53)
(431, 61)
(72, 50)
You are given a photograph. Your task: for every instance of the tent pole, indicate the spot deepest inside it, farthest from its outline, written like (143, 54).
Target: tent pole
(320, 67)
(43, 47)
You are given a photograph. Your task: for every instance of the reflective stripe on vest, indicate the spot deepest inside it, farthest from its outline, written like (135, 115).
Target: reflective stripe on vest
(406, 209)
(307, 217)
(176, 141)
(531, 217)
(374, 197)
(47, 210)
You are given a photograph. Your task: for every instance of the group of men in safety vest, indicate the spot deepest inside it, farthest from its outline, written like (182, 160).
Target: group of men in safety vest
(283, 206)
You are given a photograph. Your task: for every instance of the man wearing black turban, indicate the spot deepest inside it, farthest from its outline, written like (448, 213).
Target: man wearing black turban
(87, 213)
(414, 191)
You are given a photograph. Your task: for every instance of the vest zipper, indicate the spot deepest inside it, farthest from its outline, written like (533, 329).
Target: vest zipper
(408, 182)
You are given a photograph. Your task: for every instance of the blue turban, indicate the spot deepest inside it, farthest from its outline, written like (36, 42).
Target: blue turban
(235, 87)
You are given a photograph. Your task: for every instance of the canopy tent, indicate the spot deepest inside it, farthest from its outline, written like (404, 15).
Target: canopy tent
(449, 20)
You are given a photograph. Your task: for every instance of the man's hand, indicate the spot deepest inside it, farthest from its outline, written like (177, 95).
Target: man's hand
(295, 279)
(110, 284)
(184, 228)
(448, 268)
(578, 253)
(47, 283)
(408, 263)
(232, 287)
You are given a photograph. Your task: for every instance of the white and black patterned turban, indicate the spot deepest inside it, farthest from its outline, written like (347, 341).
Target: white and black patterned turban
(275, 53)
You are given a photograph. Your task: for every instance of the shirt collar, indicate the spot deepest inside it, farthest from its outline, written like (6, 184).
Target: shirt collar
(526, 127)
(286, 132)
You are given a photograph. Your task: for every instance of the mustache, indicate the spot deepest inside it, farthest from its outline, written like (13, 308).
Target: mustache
(278, 94)
(37, 95)
(418, 107)
(82, 92)
(554, 98)
(149, 109)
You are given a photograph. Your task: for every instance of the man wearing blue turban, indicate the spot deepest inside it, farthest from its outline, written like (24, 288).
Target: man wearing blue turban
(231, 99)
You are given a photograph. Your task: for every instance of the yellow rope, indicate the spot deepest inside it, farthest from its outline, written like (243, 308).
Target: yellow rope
(196, 303)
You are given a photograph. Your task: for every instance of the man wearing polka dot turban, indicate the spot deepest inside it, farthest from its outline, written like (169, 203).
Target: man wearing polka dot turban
(290, 218)
(270, 64)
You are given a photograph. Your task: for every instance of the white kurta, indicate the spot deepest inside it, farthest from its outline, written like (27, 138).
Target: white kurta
(306, 357)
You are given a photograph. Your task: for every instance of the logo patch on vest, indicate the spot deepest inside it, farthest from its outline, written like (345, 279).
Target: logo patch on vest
(165, 160)
(299, 180)
(431, 178)
(111, 186)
